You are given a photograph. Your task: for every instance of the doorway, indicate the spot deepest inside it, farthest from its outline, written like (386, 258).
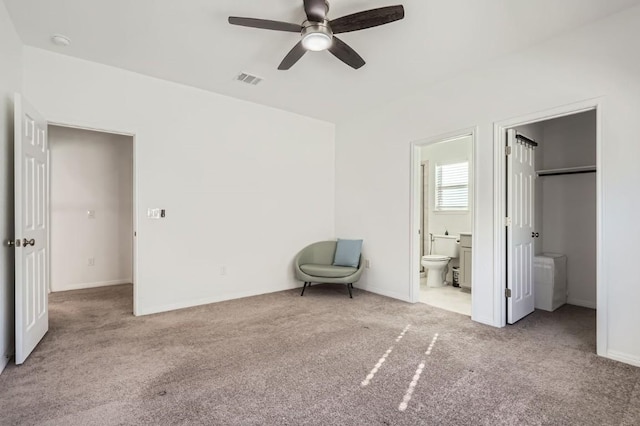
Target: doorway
(557, 260)
(442, 218)
(91, 209)
(32, 227)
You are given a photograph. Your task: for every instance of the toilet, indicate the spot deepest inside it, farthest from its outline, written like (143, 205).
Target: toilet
(443, 249)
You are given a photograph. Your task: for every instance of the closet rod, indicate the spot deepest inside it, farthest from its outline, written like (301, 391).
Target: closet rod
(526, 140)
(567, 171)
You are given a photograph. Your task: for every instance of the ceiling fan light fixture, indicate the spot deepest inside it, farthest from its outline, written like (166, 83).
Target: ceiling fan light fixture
(316, 42)
(317, 36)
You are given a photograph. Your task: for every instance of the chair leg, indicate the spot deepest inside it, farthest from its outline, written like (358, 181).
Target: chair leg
(349, 287)
(305, 286)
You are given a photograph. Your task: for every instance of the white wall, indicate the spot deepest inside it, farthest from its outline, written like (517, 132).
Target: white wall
(458, 150)
(594, 61)
(10, 82)
(90, 171)
(569, 212)
(244, 186)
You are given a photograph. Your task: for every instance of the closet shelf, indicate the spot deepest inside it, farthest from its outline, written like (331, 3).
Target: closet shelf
(567, 171)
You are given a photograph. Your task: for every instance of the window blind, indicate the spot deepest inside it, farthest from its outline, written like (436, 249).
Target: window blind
(452, 186)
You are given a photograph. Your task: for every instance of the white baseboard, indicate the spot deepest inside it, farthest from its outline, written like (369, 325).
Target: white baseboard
(486, 321)
(215, 299)
(81, 286)
(206, 301)
(584, 303)
(384, 292)
(6, 356)
(622, 357)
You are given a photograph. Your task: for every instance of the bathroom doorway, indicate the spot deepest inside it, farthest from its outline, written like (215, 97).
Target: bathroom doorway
(443, 189)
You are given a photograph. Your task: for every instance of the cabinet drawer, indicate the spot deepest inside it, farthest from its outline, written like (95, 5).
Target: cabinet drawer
(465, 240)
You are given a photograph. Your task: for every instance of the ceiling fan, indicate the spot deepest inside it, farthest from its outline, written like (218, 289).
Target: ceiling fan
(317, 31)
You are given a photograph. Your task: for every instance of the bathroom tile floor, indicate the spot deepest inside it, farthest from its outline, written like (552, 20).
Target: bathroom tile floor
(450, 298)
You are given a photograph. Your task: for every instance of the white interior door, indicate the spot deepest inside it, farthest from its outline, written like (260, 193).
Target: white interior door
(520, 232)
(31, 228)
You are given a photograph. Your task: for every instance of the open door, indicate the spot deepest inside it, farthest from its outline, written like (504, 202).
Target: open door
(31, 228)
(520, 227)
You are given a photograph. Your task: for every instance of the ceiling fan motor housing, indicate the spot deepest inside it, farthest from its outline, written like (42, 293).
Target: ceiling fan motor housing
(317, 35)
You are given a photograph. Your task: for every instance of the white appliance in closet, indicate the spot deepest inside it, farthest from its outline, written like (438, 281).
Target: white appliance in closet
(550, 280)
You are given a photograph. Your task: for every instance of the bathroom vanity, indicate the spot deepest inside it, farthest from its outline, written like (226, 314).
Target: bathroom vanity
(465, 260)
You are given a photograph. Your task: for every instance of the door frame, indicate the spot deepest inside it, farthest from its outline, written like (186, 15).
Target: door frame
(500, 188)
(134, 145)
(415, 205)
(424, 172)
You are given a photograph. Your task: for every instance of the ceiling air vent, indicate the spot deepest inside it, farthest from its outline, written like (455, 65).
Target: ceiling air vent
(248, 78)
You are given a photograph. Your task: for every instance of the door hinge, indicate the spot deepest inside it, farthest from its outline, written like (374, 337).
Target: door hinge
(507, 292)
(507, 221)
(507, 150)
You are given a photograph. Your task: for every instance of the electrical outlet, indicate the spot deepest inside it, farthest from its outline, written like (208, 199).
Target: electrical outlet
(367, 263)
(92, 261)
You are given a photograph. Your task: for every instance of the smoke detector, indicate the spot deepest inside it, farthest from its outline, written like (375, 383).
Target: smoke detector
(60, 40)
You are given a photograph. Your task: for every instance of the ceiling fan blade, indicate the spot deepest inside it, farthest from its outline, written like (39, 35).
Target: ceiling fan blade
(265, 24)
(293, 56)
(367, 19)
(316, 10)
(346, 54)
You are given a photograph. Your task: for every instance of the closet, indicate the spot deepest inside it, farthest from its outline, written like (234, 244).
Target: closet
(565, 198)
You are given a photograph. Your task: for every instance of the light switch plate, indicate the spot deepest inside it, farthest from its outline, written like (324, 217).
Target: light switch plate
(153, 213)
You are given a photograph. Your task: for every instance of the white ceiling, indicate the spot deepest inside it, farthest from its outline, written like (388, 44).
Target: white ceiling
(190, 42)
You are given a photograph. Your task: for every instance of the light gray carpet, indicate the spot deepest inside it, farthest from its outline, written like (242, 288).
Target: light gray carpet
(282, 359)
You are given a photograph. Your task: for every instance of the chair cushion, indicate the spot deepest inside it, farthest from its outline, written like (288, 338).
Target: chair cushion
(347, 253)
(327, 271)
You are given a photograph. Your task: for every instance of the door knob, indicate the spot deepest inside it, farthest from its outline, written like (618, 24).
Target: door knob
(30, 242)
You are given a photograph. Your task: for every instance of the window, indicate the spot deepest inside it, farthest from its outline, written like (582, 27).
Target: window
(452, 186)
